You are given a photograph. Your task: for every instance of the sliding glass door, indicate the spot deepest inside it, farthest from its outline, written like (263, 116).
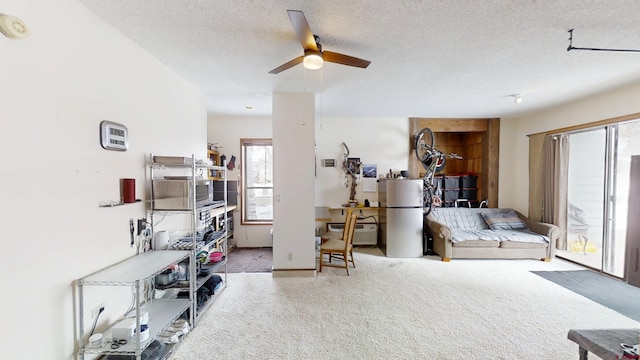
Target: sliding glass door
(598, 192)
(585, 206)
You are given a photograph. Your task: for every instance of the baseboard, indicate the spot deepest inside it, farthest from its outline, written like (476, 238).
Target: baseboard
(293, 272)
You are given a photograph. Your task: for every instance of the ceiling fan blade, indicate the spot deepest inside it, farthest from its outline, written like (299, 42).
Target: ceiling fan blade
(287, 65)
(302, 29)
(344, 59)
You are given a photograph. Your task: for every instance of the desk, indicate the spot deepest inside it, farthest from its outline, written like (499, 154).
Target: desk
(604, 343)
(342, 209)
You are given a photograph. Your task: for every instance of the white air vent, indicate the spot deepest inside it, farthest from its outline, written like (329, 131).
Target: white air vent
(366, 233)
(329, 162)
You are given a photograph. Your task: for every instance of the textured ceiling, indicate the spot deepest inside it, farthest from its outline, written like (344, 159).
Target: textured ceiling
(428, 58)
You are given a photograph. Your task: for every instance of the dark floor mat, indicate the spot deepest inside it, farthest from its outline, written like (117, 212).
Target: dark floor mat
(612, 293)
(250, 260)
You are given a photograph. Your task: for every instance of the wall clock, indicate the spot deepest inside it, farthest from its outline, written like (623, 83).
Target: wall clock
(114, 136)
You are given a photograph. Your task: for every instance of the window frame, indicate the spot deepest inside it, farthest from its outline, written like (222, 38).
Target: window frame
(244, 143)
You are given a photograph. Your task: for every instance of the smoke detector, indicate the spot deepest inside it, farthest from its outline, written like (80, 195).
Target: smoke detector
(12, 27)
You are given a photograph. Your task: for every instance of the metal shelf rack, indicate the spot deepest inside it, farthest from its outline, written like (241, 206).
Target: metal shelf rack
(137, 270)
(131, 272)
(196, 169)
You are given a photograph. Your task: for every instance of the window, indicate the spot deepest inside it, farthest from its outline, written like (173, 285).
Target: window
(257, 181)
(598, 195)
(585, 186)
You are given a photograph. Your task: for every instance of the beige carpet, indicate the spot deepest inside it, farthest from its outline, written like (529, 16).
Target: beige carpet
(399, 309)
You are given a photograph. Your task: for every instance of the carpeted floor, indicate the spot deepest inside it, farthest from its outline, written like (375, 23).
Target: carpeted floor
(250, 260)
(612, 293)
(390, 308)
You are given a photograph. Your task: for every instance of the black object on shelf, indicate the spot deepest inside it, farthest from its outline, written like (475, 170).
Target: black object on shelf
(427, 246)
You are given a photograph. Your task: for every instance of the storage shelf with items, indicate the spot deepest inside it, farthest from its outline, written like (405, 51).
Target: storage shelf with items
(151, 316)
(204, 239)
(214, 156)
(476, 141)
(222, 221)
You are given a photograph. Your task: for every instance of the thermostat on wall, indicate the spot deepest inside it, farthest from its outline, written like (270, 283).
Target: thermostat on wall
(328, 162)
(114, 136)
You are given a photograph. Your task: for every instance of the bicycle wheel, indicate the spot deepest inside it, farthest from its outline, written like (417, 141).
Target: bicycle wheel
(441, 162)
(424, 144)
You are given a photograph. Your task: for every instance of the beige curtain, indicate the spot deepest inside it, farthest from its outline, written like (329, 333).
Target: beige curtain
(548, 176)
(555, 184)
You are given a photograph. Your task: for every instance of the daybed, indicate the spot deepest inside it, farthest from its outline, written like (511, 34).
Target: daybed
(489, 233)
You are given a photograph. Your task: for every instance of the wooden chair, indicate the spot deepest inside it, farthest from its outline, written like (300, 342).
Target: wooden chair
(334, 234)
(343, 247)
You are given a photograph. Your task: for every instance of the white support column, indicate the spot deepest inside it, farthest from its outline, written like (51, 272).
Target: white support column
(294, 195)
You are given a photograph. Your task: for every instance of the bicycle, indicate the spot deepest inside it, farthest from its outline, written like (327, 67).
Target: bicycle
(433, 160)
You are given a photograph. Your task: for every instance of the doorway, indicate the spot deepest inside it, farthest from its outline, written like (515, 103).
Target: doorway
(598, 196)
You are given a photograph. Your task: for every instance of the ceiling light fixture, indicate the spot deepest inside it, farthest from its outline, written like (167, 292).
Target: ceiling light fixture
(517, 99)
(313, 60)
(12, 27)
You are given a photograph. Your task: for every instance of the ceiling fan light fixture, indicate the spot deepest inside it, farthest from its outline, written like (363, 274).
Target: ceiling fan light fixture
(517, 99)
(313, 60)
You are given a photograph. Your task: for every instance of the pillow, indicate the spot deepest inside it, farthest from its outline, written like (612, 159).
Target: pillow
(504, 221)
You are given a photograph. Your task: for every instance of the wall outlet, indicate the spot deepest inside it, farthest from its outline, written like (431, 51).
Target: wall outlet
(96, 310)
(290, 256)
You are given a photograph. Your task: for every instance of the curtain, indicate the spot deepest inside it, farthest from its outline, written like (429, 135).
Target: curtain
(555, 176)
(548, 181)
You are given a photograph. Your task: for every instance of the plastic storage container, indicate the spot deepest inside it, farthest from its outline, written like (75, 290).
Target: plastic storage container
(468, 181)
(451, 182)
(469, 194)
(450, 194)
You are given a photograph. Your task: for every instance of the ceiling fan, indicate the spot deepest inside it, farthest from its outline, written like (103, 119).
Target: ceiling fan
(314, 57)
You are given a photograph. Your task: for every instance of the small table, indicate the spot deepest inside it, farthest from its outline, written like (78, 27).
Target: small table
(604, 343)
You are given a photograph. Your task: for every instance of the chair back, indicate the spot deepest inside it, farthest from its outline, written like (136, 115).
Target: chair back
(350, 230)
(347, 218)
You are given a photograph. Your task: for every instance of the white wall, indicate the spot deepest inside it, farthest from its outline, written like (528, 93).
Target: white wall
(71, 73)
(381, 141)
(514, 143)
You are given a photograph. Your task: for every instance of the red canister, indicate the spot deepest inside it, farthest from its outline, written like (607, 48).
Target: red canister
(128, 190)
